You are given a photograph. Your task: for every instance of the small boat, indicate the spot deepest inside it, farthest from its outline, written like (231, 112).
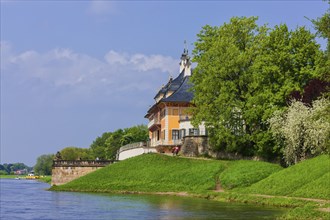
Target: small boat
(31, 176)
(17, 178)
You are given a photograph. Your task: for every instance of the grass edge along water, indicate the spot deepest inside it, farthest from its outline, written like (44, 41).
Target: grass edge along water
(155, 173)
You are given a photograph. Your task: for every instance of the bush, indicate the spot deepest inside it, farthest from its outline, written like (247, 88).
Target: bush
(301, 130)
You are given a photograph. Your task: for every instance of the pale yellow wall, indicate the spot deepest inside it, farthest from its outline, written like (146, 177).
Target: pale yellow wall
(62, 175)
(169, 121)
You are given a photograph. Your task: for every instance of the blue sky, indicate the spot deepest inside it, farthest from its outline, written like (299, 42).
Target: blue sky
(71, 70)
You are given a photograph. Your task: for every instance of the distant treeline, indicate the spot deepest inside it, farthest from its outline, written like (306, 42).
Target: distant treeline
(104, 147)
(11, 168)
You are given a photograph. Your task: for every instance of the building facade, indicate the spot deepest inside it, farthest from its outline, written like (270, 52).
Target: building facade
(169, 119)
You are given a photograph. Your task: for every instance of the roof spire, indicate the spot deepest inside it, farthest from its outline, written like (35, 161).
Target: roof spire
(185, 51)
(185, 61)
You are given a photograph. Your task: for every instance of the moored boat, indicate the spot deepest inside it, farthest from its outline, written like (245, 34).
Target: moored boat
(31, 176)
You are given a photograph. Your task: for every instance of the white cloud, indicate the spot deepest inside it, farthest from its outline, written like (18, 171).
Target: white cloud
(118, 72)
(74, 96)
(113, 58)
(145, 63)
(142, 62)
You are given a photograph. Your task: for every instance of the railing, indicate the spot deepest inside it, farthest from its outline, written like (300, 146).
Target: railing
(132, 146)
(154, 121)
(166, 143)
(157, 120)
(151, 123)
(81, 163)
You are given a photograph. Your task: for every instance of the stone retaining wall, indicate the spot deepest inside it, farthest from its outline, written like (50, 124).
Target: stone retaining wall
(64, 171)
(194, 146)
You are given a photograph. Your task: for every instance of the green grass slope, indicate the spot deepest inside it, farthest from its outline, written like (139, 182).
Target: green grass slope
(151, 173)
(161, 173)
(309, 179)
(244, 173)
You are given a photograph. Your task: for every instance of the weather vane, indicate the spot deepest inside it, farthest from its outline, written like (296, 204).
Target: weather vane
(185, 46)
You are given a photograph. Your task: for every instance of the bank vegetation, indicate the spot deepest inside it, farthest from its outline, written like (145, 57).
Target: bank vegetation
(300, 187)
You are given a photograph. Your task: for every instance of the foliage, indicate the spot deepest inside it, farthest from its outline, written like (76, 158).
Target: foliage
(307, 179)
(106, 146)
(9, 168)
(75, 153)
(44, 164)
(245, 72)
(98, 146)
(302, 131)
(313, 90)
(45, 179)
(3, 172)
(322, 26)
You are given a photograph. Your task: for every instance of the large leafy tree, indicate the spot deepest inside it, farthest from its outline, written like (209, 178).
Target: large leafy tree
(245, 72)
(44, 164)
(322, 26)
(107, 145)
(224, 56)
(76, 153)
(98, 146)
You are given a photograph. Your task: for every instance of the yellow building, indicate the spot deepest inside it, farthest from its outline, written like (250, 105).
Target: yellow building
(169, 121)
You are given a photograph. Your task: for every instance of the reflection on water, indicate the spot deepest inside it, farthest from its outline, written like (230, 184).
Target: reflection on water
(28, 199)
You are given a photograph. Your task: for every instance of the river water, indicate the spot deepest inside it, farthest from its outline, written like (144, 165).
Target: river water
(29, 199)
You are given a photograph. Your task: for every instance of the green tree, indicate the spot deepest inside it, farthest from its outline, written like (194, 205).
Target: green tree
(302, 131)
(76, 153)
(113, 143)
(3, 172)
(245, 72)
(106, 146)
(98, 147)
(44, 164)
(19, 166)
(7, 167)
(287, 62)
(121, 137)
(135, 134)
(322, 26)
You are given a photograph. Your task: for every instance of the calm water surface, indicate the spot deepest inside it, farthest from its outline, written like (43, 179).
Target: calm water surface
(28, 199)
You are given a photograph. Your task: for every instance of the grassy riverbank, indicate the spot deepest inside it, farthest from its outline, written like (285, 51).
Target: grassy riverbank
(9, 176)
(234, 180)
(45, 179)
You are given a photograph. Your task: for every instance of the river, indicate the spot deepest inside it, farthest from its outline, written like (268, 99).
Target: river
(29, 199)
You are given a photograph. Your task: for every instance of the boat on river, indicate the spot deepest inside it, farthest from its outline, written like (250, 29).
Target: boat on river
(31, 176)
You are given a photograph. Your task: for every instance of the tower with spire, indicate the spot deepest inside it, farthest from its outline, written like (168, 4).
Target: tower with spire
(169, 120)
(185, 64)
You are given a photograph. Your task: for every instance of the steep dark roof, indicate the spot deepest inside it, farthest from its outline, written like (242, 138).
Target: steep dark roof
(182, 94)
(171, 85)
